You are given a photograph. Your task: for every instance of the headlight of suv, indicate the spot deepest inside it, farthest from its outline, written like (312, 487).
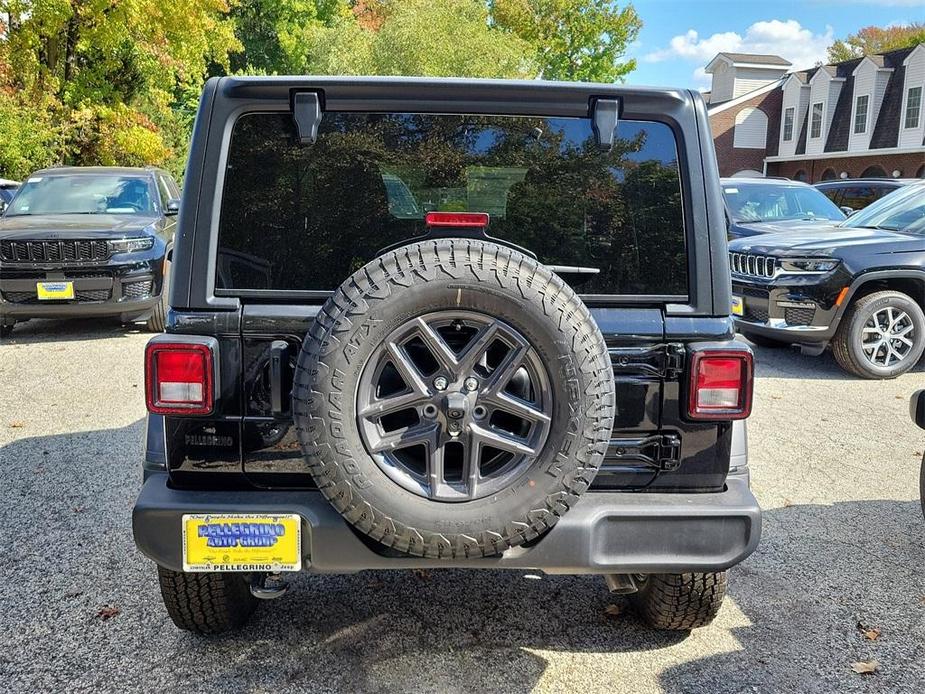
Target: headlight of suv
(808, 264)
(142, 243)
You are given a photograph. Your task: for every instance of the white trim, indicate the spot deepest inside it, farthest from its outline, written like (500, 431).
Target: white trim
(920, 47)
(783, 124)
(867, 59)
(905, 108)
(854, 115)
(742, 99)
(812, 113)
(842, 154)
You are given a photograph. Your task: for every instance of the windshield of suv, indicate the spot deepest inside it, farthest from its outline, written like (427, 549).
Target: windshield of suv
(777, 201)
(902, 210)
(82, 194)
(300, 217)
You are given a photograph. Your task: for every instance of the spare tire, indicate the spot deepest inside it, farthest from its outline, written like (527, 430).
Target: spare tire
(453, 398)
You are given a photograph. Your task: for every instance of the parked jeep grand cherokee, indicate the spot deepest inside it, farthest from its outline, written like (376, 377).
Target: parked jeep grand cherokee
(858, 286)
(87, 241)
(447, 324)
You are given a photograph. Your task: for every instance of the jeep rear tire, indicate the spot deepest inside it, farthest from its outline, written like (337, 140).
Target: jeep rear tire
(453, 398)
(206, 603)
(679, 602)
(881, 335)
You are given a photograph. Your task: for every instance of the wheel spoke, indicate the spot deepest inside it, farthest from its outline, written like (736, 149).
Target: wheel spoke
(477, 346)
(517, 407)
(396, 403)
(434, 471)
(404, 438)
(503, 373)
(407, 370)
(472, 457)
(502, 441)
(437, 347)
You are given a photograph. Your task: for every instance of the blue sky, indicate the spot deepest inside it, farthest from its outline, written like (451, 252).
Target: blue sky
(680, 37)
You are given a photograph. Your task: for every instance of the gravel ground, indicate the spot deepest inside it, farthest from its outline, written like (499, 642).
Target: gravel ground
(835, 465)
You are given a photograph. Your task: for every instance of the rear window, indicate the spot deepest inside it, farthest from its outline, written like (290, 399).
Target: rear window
(305, 217)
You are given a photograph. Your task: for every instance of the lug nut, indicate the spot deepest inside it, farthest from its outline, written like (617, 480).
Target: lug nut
(471, 384)
(440, 383)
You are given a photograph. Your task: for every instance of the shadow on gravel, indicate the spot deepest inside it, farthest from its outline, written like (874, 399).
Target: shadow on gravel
(819, 573)
(69, 330)
(788, 362)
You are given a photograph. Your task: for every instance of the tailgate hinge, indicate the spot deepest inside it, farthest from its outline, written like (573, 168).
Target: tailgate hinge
(661, 451)
(674, 360)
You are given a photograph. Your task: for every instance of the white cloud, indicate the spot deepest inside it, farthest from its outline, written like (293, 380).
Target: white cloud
(788, 39)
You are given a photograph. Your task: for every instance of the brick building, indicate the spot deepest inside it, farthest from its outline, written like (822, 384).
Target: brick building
(860, 118)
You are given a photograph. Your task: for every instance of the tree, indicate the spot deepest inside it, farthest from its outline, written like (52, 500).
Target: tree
(872, 40)
(110, 71)
(414, 37)
(572, 39)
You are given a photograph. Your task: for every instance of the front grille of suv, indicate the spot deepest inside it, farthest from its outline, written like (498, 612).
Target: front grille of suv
(752, 265)
(61, 251)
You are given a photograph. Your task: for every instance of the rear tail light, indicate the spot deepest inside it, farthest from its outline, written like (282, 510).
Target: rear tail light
(457, 220)
(178, 378)
(721, 384)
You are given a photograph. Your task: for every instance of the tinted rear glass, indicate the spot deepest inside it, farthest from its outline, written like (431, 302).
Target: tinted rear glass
(304, 217)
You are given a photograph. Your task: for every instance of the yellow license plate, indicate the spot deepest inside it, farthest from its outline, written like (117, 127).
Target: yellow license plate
(738, 306)
(242, 542)
(55, 290)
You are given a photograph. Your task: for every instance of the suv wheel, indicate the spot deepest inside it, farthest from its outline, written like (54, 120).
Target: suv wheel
(679, 602)
(157, 323)
(206, 603)
(453, 398)
(882, 335)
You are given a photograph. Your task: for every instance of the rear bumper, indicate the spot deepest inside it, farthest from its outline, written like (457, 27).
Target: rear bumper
(606, 532)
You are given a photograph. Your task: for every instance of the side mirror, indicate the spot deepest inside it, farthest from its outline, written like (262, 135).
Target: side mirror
(847, 210)
(917, 408)
(173, 206)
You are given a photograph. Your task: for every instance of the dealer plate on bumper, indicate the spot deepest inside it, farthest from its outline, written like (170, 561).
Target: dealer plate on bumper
(54, 290)
(738, 306)
(242, 542)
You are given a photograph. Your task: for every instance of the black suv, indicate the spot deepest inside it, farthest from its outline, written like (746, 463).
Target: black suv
(447, 324)
(88, 241)
(854, 194)
(858, 286)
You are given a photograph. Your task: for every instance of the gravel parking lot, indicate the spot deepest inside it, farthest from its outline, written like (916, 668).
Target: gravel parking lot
(835, 465)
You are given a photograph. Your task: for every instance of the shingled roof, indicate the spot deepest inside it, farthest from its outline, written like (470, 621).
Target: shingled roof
(756, 59)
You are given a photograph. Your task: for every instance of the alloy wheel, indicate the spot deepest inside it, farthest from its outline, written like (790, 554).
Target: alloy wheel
(453, 405)
(888, 337)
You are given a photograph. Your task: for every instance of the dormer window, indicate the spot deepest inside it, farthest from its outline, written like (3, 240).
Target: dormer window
(913, 107)
(815, 123)
(860, 114)
(788, 124)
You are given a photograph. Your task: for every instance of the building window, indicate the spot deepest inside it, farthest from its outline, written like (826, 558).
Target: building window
(751, 129)
(860, 114)
(875, 171)
(829, 174)
(788, 124)
(800, 176)
(815, 124)
(913, 107)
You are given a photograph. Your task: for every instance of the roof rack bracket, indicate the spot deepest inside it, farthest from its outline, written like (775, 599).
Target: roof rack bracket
(306, 112)
(605, 115)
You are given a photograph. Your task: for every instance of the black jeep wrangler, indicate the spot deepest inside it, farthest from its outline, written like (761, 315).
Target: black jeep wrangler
(447, 324)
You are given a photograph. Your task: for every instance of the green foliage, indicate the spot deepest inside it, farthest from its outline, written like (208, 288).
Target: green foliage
(573, 39)
(417, 37)
(110, 71)
(29, 138)
(118, 81)
(872, 40)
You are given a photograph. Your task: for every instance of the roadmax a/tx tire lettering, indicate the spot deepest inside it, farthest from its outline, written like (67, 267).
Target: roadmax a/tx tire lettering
(502, 377)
